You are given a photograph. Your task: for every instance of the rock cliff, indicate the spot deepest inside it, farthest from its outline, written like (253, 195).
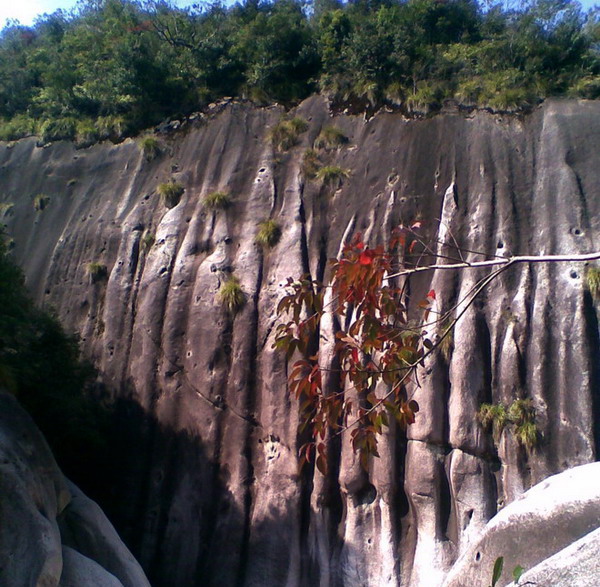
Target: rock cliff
(209, 492)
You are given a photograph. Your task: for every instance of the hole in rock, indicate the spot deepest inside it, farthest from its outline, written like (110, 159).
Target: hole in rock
(478, 557)
(574, 274)
(261, 170)
(576, 231)
(366, 495)
(500, 245)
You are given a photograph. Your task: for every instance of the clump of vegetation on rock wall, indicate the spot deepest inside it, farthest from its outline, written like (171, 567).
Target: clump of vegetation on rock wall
(231, 295)
(268, 234)
(330, 137)
(170, 193)
(284, 135)
(217, 200)
(519, 417)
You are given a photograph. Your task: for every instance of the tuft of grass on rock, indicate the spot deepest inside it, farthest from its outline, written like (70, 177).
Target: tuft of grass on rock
(150, 147)
(232, 296)
(268, 234)
(148, 240)
(6, 209)
(310, 163)
(284, 135)
(592, 282)
(97, 272)
(40, 202)
(217, 201)
(171, 193)
(332, 175)
(330, 137)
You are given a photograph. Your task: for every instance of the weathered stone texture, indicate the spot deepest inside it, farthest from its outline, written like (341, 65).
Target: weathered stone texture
(212, 494)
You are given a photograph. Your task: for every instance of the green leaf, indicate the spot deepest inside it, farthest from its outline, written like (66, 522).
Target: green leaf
(517, 572)
(497, 573)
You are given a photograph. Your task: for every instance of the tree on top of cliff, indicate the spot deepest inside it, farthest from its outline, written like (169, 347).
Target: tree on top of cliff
(111, 68)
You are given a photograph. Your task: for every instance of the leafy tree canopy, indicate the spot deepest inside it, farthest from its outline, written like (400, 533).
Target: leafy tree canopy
(113, 67)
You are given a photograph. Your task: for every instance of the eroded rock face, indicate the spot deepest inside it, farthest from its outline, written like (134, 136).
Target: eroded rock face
(42, 515)
(212, 494)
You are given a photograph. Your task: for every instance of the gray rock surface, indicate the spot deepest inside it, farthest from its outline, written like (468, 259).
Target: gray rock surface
(544, 524)
(211, 494)
(577, 565)
(34, 495)
(79, 571)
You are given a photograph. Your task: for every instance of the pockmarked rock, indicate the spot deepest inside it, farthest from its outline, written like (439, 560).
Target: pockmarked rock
(205, 464)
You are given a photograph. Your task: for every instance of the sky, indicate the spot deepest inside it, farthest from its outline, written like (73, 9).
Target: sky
(27, 10)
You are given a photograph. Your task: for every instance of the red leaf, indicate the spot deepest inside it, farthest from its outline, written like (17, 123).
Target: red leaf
(431, 294)
(366, 257)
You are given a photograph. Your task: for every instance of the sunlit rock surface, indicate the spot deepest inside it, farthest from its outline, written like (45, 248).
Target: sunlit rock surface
(208, 487)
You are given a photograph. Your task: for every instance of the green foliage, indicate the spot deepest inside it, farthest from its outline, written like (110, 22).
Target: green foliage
(128, 65)
(310, 163)
(148, 240)
(519, 416)
(268, 234)
(17, 127)
(284, 135)
(40, 365)
(592, 282)
(59, 129)
(332, 175)
(497, 571)
(97, 272)
(6, 209)
(217, 200)
(40, 202)
(171, 193)
(330, 137)
(231, 295)
(86, 133)
(150, 147)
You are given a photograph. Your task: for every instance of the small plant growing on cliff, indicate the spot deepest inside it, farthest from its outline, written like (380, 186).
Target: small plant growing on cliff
(268, 234)
(310, 163)
(217, 201)
(284, 135)
(148, 240)
(86, 134)
(332, 175)
(519, 416)
(97, 272)
(6, 209)
(150, 147)
(330, 137)
(171, 193)
(232, 295)
(592, 282)
(40, 202)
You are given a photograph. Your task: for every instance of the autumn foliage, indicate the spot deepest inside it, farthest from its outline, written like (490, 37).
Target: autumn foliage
(378, 347)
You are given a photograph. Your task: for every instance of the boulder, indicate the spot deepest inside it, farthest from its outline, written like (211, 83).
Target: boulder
(50, 532)
(549, 518)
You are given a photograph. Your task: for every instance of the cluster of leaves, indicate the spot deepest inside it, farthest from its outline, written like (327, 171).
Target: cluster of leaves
(284, 135)
(111, 68)
(40, 365)
(377, 353)
(519, 416)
